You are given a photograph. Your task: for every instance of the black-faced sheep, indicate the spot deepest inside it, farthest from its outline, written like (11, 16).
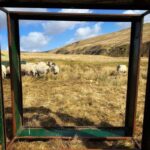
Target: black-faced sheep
(54, 68)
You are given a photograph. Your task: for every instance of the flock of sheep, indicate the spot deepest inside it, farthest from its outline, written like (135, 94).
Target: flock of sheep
(42, 68)
(33, 69)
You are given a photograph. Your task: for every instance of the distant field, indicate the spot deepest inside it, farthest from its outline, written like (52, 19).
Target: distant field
(88, 91)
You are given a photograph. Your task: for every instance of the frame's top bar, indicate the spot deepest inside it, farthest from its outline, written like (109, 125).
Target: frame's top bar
(100, 4)
(146, 13)
(4, 10)
(73, 16)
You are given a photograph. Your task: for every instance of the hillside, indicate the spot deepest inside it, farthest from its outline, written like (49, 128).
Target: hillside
(113, 44)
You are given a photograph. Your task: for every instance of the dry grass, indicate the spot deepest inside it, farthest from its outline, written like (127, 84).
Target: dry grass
(75, 144)
(86, 84)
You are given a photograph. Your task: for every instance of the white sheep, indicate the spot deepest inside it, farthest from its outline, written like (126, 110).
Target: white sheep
(29, 69)
(23, 69)
(42, 68)
(122, 69)
(42, 63)
(3, 72)
(8, 71)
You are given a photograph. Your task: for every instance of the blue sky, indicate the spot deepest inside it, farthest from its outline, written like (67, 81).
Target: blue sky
(46, 35)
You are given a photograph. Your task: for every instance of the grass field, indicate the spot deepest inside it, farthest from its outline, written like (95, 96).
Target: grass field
(87, 91)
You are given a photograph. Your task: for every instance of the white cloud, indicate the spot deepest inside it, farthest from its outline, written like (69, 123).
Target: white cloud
(76, 11)
(127, 24)
(86, 32)
(34, 41)
(56, 27)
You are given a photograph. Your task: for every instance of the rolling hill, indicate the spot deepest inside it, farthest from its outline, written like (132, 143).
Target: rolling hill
(113, 44)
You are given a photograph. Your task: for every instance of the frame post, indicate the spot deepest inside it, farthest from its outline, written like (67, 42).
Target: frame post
(14, 56)
(146, 122)
(133, 75)
(2, 116)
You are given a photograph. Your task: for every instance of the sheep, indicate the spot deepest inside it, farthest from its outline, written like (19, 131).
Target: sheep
(42, 63)
(42, 68)
(49, 63)
(31, 69)
(3, 71)
(28, 69)
(122, 69)
(8, 71)
(54, 68)
(37, 69)
(23, 69)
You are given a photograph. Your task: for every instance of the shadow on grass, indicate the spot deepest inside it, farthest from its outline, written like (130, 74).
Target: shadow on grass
(46, 120)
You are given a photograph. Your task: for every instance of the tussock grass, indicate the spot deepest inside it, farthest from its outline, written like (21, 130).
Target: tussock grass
(75, 144)
(88, 89)
(86, 84)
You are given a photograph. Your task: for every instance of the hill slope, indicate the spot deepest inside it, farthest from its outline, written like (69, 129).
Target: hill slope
(113, 44)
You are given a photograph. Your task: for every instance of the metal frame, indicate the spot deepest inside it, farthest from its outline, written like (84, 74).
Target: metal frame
(93, 4)
(146, 122)
(2, 116)
(115, 133)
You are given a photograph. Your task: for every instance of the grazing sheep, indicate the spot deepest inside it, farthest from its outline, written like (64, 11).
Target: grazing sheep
(42, 68)
(122, 69)
(8, 71)
(24, 70)
(28, 69)
(49, 63)
(32, 69)
(54, 68)
(42, 63)
(3, 72)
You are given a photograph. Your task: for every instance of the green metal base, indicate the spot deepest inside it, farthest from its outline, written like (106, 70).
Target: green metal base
(71, 132)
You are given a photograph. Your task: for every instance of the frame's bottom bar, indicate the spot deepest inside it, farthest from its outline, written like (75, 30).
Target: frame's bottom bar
(87, 133)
